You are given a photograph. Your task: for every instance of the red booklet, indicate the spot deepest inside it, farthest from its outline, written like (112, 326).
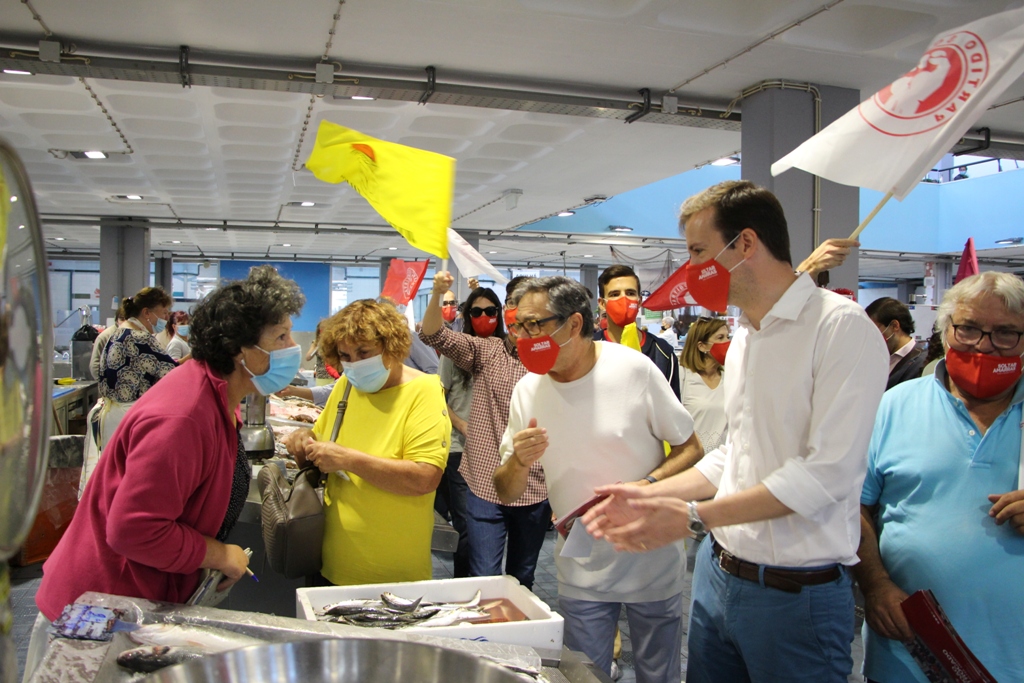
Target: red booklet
(564, 524)
(937, 647)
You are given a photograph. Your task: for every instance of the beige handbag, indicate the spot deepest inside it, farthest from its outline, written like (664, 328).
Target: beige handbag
(293, 514)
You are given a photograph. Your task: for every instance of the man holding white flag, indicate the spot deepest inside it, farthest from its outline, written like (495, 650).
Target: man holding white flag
(893, 138)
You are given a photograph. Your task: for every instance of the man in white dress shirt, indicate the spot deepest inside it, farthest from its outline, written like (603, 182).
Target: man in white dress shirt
(804, 377)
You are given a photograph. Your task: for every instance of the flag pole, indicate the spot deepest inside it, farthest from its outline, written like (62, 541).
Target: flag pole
(874, 212)
(444, 265)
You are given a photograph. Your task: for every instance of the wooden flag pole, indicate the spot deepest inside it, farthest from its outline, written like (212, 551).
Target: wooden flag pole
(874, 212)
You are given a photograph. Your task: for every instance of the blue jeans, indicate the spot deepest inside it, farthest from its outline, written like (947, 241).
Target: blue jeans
(489, 525)
(655, 630)
(742, 632)
(450, 503)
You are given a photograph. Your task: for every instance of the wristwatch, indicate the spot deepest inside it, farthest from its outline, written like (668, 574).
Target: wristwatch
(696, 524)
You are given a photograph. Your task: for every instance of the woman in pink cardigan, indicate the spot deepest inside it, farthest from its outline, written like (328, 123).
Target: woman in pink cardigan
(174, 477)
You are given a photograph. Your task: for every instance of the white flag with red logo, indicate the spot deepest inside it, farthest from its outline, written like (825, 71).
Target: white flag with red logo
(891, 140)
(469, 261)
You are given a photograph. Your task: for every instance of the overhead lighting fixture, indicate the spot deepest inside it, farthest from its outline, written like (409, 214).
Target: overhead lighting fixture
(211, 228)
(307, 204)
(392, 248)
(17, 72)
(565, 213)
(175, 241)
(59, 239)
(511, 198)
(21, 227)
(620, 228)
(492, 252)
(286, 245)
(134, 197)
(1011, 240)
(363, 97)
(588, 256)
(91, 154)
(725, 161)
(14, 198)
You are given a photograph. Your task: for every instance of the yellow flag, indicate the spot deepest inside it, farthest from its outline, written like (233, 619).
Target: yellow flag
(411, 188)
(631, 337)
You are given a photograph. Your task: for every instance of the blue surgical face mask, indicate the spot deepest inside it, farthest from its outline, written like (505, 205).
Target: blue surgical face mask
(284, 363)
(182, 330)
(367, 375)
(159, 326)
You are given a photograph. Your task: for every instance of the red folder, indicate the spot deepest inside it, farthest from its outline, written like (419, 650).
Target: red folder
(937, 647)
(564, 524)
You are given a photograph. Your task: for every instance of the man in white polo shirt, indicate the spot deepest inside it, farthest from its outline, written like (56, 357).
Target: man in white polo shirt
(596, 413)
(803, 379)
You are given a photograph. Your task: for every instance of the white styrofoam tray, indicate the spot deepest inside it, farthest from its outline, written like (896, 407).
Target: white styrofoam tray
(542, 629)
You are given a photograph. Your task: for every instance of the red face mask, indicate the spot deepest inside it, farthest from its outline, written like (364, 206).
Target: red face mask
(708, 282)
(719, 350)
(622, 311)
(604, 322)
(484, 326)
(510, 318)
(449, 313)
(982, 375)
(539, 354)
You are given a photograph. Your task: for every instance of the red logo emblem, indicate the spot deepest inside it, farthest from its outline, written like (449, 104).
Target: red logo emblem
(932, 93)
(677, 297)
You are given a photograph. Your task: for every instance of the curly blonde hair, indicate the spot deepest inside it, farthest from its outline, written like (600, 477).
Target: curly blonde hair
(366, 321)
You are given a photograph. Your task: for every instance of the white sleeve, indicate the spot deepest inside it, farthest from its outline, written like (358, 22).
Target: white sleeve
(712, 465)
(669, 420)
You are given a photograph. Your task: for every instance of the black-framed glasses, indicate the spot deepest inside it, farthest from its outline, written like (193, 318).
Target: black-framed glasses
(533, 326)
(476, 311)
(449, 304)
(1003, 340)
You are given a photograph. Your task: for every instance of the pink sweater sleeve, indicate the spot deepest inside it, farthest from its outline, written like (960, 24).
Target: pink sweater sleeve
(166, 467)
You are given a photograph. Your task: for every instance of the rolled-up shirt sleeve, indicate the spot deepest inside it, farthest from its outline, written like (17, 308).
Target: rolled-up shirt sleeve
(458, 346)
(849, 378)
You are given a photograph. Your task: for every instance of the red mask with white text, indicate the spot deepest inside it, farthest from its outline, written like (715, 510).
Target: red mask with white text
(708, 282)
(484, 326)
(449, 313)
(719, 350)
(622, 311)
(982, 375)
(539, 354)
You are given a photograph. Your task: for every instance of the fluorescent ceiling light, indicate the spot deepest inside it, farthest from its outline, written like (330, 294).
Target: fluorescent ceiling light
(286, 245)
(588, 256)
(492, 252)
(565, 213)
(17, 72)
(14, 198)
(95, 154)
(59, 239)
(392, 248)
(620, 228)
(307, 203)
(134, 197)
(363, 97)
(1011, 240)
(21, 227)
(175, 241)
(725, 161)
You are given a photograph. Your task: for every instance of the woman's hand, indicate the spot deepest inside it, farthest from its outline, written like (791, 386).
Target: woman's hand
(230, 559)
(327, 455)
(297, 444)
(442, 282)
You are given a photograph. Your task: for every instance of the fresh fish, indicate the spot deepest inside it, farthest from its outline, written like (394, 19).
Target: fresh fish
(150, 658)
(474, 602)
(346, 607)
(399, 604)
(453, 616)
(202, 638)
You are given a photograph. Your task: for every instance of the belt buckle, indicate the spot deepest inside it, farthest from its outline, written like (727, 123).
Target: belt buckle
(721, 561)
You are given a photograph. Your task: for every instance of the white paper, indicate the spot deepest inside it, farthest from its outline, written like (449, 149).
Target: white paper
(578, 543)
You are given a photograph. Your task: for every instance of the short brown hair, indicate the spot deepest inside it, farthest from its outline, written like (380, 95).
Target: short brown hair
(741, 204)
(147, 297)
(366, 321)
(699, 333)
(614, 271)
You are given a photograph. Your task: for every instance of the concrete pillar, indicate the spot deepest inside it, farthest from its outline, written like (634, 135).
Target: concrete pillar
(588, 276)
(164, 266)
(904, 292)
(124, 262)
(385, 263)
(775, 122)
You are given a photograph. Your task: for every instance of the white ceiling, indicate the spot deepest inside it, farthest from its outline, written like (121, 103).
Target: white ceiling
(211, 154)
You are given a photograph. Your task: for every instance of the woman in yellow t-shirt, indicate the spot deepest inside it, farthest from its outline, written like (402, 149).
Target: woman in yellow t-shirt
(389, 455)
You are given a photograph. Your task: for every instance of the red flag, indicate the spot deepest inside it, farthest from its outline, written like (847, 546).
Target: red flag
(672, 294)
(968, 262)
(403, 281)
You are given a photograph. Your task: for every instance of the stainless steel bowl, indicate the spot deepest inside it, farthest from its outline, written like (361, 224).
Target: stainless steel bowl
(338, 660)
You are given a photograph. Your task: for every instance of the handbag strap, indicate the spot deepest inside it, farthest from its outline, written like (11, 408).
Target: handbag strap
(342, 407)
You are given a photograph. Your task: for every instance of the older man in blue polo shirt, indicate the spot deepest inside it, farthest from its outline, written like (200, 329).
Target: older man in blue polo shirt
(942, 505)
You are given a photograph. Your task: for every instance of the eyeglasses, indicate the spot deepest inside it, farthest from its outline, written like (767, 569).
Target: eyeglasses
(533, 326)
(490, 311)
(449, 304)
(1001, 339)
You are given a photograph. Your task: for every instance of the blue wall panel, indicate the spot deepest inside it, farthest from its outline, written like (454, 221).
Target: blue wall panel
(313, 278)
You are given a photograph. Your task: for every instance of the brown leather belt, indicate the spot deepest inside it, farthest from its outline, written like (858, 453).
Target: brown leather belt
(789, 580)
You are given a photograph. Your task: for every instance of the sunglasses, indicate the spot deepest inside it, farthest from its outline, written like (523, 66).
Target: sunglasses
(490, 311)
(449, 304)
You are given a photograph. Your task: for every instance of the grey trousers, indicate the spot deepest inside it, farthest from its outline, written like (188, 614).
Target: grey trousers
(655, 631)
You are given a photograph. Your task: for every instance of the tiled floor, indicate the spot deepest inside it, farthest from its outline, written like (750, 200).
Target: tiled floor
(25, 582)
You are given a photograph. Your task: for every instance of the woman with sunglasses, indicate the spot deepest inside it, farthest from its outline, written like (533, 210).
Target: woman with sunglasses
(480, 314)
(490, 357)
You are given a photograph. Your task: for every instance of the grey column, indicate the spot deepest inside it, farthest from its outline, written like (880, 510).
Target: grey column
(164, 267)
(124, 262)
(588, 277)
(385, 263)
(774, 123)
